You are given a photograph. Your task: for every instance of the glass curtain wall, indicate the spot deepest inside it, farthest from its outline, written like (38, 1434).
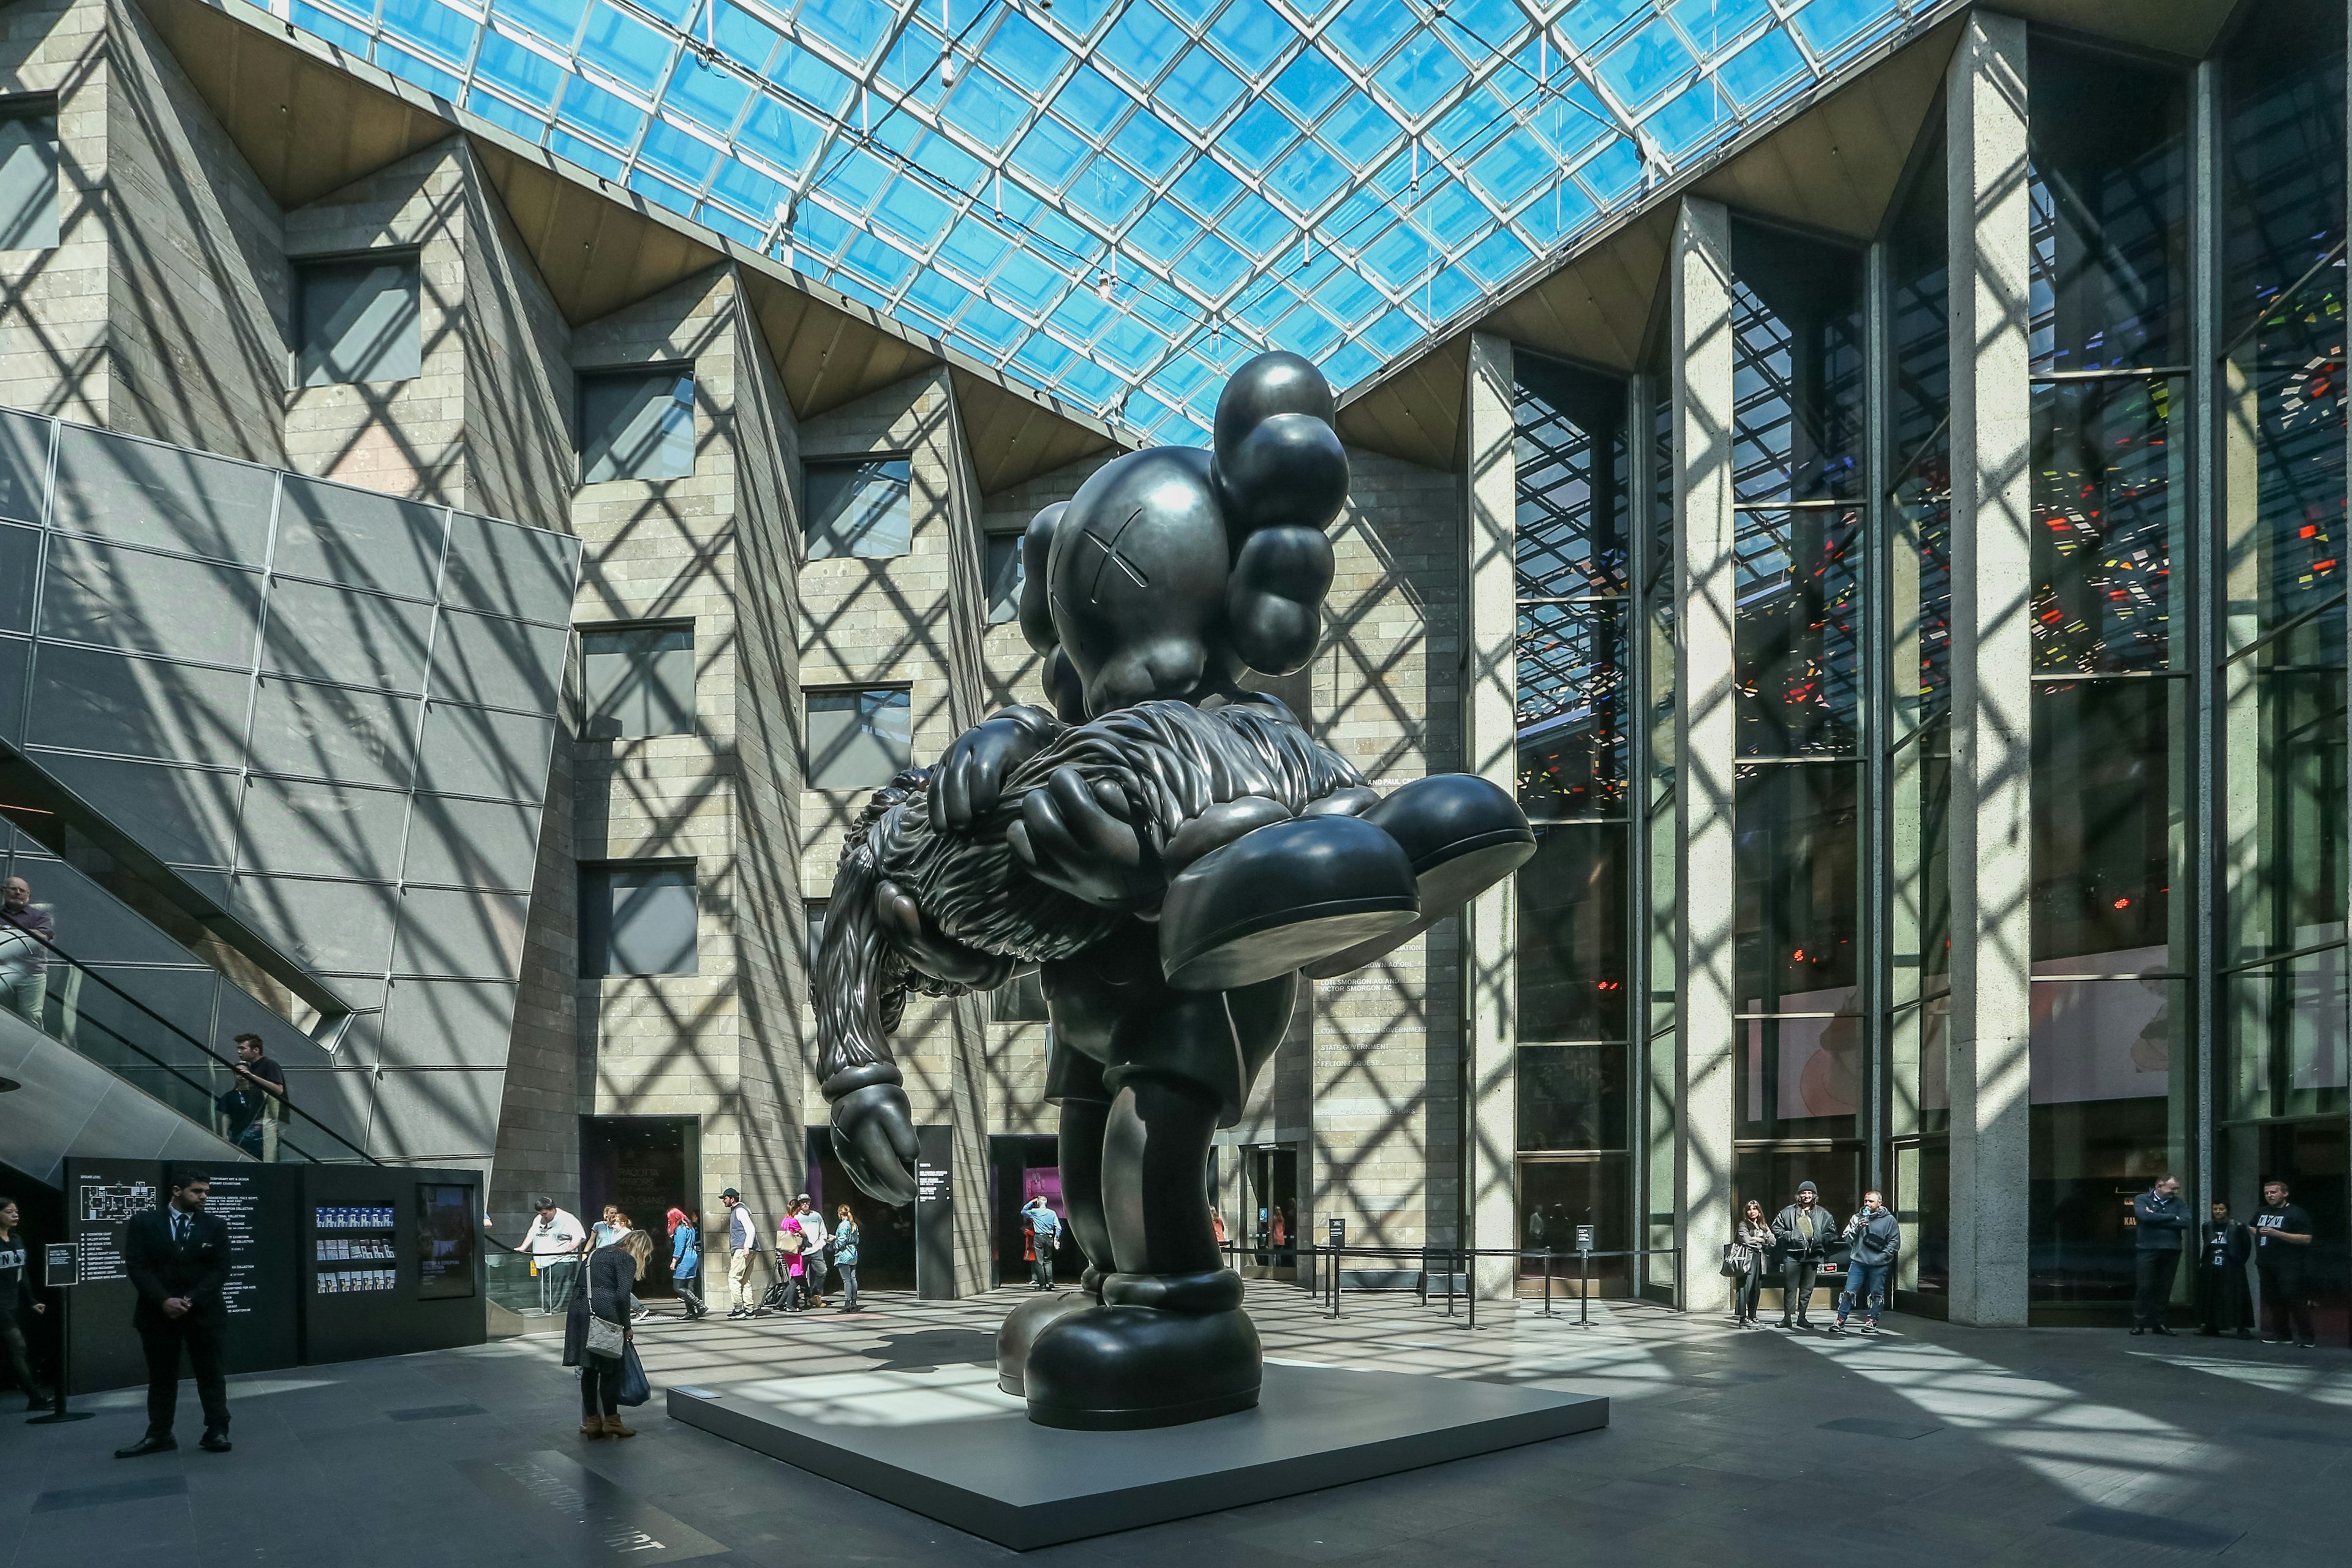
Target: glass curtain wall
(1798, 448)
(2280, 1095)
(1919, 731)
(1574, 580)
(2113, 683)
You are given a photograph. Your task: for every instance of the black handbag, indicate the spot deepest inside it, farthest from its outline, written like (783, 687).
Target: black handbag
(1738, 1260)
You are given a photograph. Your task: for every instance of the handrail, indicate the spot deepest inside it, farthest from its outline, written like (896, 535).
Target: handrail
(288, 1111)
(1452, 1259)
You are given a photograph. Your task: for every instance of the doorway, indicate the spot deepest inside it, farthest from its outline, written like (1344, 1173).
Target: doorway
(647, 1166)
(886, 1232)
(1020, 1168)
(1270, 1212)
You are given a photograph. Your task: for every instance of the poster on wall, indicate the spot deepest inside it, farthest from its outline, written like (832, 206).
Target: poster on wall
(444, 1241)
(100, 1197)
(261, 1206)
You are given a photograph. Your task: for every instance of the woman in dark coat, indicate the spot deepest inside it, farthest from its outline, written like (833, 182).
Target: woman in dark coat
(607, 1293)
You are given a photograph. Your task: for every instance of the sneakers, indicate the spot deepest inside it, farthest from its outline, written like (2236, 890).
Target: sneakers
(1870, 1326)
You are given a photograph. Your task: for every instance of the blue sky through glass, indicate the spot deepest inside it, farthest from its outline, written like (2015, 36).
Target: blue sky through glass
(1115, 201)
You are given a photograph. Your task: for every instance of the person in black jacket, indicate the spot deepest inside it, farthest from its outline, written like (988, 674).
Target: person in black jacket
(1876, 1238)
(2282, 1235)
(1806, 1234)
(178, 1258)
(2159, 1224)
(612, 1275)
(16, 1296)
(2224, 1304)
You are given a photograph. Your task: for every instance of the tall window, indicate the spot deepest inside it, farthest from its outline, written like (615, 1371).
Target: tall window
(1004, 573)
(357, 318)
(859, 507)
(637, 425)
(639, 679)
(2281, 1093)
(637, 918)
(857, 740)
(28, 174)
(1797, 458)
(1919, 746)
(2113, 680)
(1574, 579)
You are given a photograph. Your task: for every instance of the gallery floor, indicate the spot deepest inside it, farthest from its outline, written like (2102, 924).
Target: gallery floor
(1933, 1445)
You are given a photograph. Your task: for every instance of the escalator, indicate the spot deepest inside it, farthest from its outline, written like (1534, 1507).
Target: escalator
(96, 1070)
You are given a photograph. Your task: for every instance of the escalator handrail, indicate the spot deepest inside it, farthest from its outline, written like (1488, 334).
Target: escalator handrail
(287, 1109)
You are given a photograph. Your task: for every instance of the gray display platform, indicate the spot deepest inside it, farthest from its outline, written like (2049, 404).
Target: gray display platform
(944, 1442)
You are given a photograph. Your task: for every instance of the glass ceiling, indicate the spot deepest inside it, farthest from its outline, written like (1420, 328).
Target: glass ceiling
(1117, 200)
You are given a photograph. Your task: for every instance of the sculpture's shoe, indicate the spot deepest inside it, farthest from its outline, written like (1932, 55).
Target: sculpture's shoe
(1462, 834)
(1280, 897)
(1120, 1369)
(1020, 1331)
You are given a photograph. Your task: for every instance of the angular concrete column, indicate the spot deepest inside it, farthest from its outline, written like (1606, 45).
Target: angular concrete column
(1992, 731)
(1704, 741)
(1489, 716)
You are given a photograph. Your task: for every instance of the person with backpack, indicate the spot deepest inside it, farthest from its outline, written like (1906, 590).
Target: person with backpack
(1045, 1232)
(742, 1247)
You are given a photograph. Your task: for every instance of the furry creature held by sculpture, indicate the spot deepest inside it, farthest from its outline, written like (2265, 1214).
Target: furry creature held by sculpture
(1173, 852)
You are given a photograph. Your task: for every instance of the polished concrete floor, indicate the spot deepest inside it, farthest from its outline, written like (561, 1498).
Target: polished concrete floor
(1929, 1444)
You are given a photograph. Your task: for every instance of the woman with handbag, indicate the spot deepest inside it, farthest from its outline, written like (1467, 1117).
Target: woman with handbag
(596, 1331)
(1752, 1244)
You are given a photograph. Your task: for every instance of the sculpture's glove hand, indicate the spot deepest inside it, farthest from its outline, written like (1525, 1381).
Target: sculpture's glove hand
(1080, 840)
(873, 1135)
(967, 782)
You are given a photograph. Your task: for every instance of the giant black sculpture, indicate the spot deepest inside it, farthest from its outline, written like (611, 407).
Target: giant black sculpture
(1174, 852)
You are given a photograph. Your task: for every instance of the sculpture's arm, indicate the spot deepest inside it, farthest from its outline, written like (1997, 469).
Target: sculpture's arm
(969, 780)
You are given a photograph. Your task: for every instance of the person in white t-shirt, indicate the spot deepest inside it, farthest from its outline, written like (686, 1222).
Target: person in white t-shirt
(554, 1242)
(814, 1239)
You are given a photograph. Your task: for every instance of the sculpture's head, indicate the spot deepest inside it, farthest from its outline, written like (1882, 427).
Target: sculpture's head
(1172, 569)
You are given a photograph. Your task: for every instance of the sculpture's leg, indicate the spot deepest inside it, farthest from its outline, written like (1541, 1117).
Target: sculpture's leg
(1076, 1082)
(1169, 1343)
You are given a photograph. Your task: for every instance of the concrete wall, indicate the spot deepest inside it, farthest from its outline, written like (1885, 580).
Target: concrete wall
(724, 1042)
(53, 303)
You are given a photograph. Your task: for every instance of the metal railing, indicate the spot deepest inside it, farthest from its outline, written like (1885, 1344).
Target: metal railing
(143, 1048)
(1454, 1263)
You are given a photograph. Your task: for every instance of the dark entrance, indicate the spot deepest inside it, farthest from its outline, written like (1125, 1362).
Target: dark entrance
(647, 1164)
(1270, 1212)
(885, 1236)
(1019, 1169)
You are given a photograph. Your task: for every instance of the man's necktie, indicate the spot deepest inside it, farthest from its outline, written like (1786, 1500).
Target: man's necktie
(179, 1229)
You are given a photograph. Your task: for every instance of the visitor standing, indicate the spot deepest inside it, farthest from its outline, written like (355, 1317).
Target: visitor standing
(2224, 1302)
(255, 1106)
(743, 1247)
(177, 1257)
(2282, 1235)
(1046, 1232)
(1804, 1232)
(2159, 1223)
(844, 1256)
(1751, 1241)
(26, 934)
(789, 1262)
(815, 1239)
(17, 1298)
(553, 1244)
(685, 1262)
(613, 1274)
(1875, 1237)
(610, 1227)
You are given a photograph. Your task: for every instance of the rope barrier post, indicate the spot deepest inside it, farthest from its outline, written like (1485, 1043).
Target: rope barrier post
(1546, 1311)
(1583, 1276)
(1338, 1235)
(1470, 1284)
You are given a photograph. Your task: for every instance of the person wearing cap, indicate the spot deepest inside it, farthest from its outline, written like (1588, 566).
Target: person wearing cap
(814, 1239)
(1804, 1232)
(743, 1247)
(553, 1243)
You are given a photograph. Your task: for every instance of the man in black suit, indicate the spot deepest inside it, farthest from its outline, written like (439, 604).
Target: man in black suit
(178, 1258)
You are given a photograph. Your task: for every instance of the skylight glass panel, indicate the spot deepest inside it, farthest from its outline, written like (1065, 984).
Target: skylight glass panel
(1437, 154)
(1141, 43)
(1250, 35)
